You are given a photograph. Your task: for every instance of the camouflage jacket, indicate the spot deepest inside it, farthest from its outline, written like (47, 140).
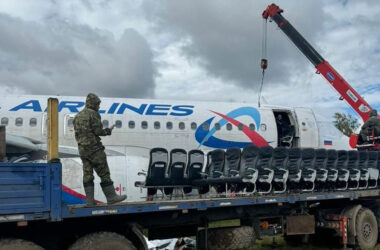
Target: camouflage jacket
(88, 127)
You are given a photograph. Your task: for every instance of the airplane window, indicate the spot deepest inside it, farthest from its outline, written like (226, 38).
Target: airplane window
(118, 124)
(105, 123)
(181, 125)
(263, 127)
(205, 126)
(240, 126)
(252, 127)
(33, 122)
(4, 121)
(193, 126)
(217, 126)
(131, 124)
(229, 126)
(18, 121)
(169, 125)
(144, 124)
(70, 123)
(157, 125)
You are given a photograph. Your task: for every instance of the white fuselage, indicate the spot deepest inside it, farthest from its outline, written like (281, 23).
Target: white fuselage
(143, 124)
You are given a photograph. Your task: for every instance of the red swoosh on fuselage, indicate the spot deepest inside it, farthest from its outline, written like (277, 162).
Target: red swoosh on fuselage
(255, 137)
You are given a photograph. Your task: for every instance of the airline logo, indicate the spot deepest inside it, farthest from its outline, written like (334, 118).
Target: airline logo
(114, 108)
(207, 138)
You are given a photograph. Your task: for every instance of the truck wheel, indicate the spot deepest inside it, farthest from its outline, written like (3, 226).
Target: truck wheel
(366, 229)
(231, 238)
(102, 241)
(18, 244)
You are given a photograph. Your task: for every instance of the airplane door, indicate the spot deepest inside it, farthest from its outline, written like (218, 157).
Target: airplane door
(68, 126)
(308, 130)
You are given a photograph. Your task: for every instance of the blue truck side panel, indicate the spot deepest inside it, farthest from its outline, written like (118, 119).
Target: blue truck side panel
(25, 189)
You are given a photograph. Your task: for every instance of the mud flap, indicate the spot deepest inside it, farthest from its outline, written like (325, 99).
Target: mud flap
(350, 213)
(300, 224)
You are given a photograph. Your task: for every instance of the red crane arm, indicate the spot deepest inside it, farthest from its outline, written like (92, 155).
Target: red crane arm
(332, 76)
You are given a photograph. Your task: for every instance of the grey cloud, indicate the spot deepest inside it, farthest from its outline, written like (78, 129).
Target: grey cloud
(67, 59)
(227, 36)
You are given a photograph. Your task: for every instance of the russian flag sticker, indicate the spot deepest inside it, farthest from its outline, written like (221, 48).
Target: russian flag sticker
(327, 142)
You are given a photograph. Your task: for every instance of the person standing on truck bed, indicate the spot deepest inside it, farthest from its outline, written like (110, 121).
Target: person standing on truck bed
(88, 127)
(372, 125)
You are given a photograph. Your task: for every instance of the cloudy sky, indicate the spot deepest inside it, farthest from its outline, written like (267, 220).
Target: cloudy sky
(190, 49)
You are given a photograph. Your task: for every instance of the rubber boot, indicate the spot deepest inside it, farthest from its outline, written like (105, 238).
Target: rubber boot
(89, 190)
(109, 192)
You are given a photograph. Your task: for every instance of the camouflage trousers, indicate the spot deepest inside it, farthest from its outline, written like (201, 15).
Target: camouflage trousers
(98, 162)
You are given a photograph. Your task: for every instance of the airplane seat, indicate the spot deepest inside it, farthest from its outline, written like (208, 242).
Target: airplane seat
(266, 173)
(232, 169)
(353, 168)
(287, 140)
(293, 165)
(372, 169)
(176, 169)
(363, 169)
(248, 170)
(320, 166)
(309, 173)
(281, 174)
(331, 166)
(156, 170)
(213, 172)
(193, 169)
(343, 172)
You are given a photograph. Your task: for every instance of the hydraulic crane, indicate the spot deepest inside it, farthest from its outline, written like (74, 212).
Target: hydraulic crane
(346, 92)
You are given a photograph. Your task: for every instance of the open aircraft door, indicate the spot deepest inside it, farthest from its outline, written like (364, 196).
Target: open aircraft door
(307, 128)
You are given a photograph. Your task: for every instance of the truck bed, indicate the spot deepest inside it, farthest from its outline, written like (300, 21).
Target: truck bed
(32, 191)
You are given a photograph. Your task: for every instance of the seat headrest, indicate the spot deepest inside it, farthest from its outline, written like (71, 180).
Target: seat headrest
(217, 155)
(363, 155)
(308, 153)
(342, 154)
(372, 155)
(332, 154)
(294, 153)
(250, 151)
(280, 152)
(233, 153)
(266, 151)
(321, 153)
(353, 155)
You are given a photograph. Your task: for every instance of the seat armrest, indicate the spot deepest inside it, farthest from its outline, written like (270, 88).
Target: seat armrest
(203, 174)
(218, 172)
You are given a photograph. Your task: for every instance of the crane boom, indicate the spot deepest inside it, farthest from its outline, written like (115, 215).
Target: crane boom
(332, 76)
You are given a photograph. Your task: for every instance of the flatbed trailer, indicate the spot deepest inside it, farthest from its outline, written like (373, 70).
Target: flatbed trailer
(31, 209)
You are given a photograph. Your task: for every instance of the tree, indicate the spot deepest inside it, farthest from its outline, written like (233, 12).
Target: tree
(346, 123)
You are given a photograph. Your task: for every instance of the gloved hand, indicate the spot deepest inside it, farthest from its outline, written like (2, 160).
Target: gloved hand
(108, 131)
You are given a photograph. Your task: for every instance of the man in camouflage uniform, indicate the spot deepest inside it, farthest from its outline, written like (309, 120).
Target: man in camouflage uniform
(371, 125)
(88, 127)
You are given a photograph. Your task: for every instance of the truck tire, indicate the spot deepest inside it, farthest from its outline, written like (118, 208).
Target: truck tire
(366, 229)
(231, 238)
(18, 244)
(103, 241)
